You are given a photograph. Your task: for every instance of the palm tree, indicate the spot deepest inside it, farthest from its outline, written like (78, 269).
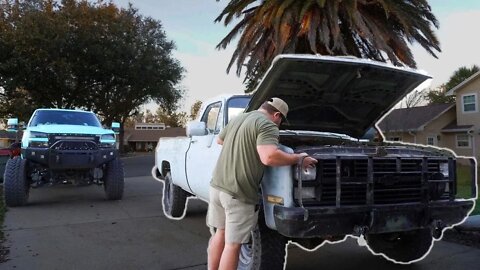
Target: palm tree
(374, 29)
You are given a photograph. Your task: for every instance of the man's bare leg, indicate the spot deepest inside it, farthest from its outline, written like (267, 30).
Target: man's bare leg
(229, 260)
(215, 249)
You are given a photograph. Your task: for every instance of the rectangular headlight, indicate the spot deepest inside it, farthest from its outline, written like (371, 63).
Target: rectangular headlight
(34, 134)
(107, 140)
(38, 143)
(444, 169)
(38, 139)
(308, 174)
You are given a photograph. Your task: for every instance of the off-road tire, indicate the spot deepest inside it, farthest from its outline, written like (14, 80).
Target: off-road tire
(16, 186)
(113, 180)
(174, 198)
(402, 247)
(266, 250)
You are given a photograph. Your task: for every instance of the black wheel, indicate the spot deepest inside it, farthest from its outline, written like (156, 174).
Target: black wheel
(16, 185)
(113, 180)
(402, 247)
(174, 198)
(266, 250)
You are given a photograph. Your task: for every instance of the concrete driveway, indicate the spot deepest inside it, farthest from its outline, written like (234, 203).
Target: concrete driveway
(67, 228)
(76, 228)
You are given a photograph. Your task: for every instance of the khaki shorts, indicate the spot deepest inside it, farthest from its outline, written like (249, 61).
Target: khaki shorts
(237, 218)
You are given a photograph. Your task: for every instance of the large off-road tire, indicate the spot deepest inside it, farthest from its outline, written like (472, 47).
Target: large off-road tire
(174, 198)
(402, 247)
(113, 180)
(266, 250)
(16, 186)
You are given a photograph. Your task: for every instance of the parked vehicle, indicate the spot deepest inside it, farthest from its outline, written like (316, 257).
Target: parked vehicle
(399, 197)
(62, 147)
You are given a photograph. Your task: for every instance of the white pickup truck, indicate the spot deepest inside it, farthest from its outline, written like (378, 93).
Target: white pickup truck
(399, 197)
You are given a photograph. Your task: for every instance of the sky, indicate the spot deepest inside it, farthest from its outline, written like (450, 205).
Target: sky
(190, 24)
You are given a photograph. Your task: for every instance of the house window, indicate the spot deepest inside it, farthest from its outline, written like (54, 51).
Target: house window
(432, 140)
(463, 141)
(394, 139)
(469, 103)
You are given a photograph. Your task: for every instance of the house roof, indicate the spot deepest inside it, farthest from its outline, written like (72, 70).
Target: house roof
(133, 135)
(413, 119)
(452, 91)
(453, 127)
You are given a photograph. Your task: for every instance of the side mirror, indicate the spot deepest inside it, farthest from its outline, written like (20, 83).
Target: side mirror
(116, 127)
(12, 124)
(196, 128)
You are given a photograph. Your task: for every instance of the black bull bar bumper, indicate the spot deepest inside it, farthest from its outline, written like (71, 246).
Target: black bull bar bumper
(297, 222)
(70, 159)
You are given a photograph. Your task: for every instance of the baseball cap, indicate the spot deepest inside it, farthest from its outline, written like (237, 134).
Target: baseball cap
(280, 105)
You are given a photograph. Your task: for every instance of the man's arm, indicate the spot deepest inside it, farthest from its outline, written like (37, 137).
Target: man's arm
(270, 155)
(219, 141)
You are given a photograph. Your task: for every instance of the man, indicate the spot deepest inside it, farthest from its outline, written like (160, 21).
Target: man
(250, 142)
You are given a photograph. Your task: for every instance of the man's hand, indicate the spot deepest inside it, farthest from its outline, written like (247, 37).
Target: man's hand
(308, 161)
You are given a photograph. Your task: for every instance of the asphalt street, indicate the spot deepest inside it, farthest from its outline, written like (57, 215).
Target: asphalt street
(67, 227)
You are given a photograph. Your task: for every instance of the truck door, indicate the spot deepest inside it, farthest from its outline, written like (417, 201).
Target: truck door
(203, 153)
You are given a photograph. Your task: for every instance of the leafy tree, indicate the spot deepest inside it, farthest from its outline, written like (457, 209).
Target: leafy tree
(460, 75)
(85, 54)
(172, 119)
(150, 117)
(195, 109)
(374, 29)
(129, 123)
(438, 96)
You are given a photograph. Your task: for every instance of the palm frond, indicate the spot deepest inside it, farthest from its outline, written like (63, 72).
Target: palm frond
(376, 29)
(232, 34)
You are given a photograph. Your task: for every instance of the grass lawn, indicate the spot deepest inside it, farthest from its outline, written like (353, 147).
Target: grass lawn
(463, 186)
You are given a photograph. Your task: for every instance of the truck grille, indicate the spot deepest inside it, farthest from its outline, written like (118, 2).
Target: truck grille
(73, 142)
(392, 181)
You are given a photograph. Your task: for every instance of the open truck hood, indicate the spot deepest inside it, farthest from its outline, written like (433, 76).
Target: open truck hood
(334, 94)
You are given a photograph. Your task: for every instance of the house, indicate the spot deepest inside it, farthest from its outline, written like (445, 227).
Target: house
(455, 126)
(144, 136)
(7, 138)
(420, 125)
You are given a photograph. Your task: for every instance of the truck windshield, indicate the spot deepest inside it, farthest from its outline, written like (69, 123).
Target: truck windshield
(236, 105)
(44, 117)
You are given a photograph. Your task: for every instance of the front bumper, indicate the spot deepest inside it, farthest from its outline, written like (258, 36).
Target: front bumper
(297, 222)
(70, 159)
